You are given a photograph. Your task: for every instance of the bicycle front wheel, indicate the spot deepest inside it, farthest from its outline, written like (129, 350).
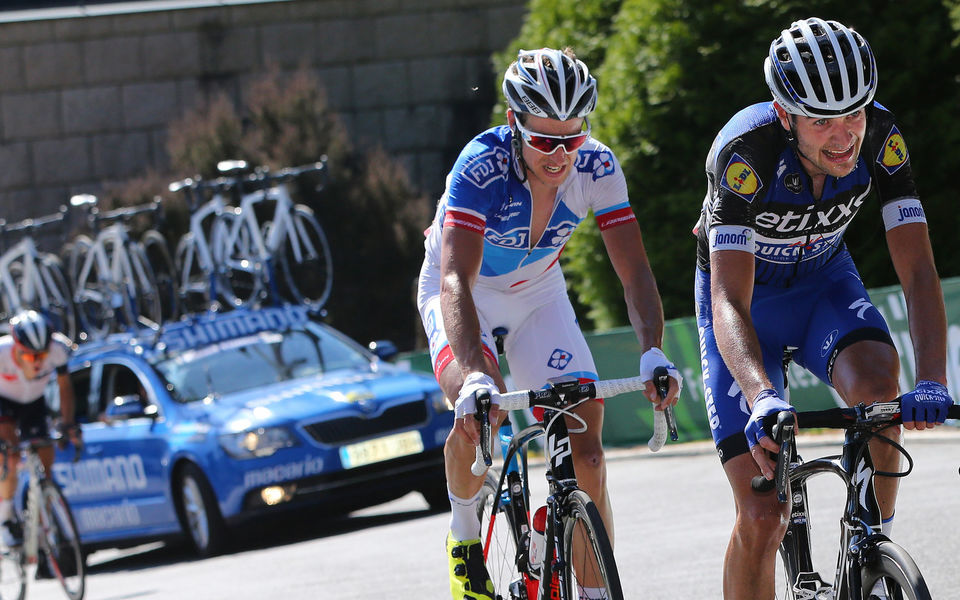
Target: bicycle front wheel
(13, 575)
(588, 557)
(499, 542)
(890, 564)
(306, 262)
(60, 541)
(165, 275)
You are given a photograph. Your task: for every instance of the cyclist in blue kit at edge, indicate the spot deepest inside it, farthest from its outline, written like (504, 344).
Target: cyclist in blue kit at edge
(775, 280)
(512, 200)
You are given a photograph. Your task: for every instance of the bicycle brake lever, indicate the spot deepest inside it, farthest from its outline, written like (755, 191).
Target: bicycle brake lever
(484, 459)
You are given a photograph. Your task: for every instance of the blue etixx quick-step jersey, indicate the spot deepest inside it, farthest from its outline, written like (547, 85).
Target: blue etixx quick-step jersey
(759, 198)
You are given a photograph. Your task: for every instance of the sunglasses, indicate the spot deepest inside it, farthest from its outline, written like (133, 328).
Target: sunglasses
(32, 357)
(548, 144)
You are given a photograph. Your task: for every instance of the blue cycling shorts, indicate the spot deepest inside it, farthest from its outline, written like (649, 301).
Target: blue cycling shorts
(811, 321)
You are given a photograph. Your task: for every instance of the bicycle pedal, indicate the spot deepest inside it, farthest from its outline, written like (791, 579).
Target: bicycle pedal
(810, 586)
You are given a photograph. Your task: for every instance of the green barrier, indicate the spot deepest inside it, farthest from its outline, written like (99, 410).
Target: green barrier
(628, 419)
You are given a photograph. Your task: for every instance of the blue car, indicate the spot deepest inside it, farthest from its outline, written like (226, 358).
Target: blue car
(222, 417)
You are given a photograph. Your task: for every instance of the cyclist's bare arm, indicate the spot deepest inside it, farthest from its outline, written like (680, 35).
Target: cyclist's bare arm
(912, 258)
(67, 397)
(731, 290)
(461, 256)
(624, 245)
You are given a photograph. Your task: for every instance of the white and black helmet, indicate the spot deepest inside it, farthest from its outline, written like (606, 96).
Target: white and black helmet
(820, 69)
(31, 330)
(548, 83)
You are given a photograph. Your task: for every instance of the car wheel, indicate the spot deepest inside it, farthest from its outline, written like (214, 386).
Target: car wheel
(199, 512)
(436, 496)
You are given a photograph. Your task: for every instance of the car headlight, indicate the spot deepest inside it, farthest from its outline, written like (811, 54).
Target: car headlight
(256, 443)
(439, 402)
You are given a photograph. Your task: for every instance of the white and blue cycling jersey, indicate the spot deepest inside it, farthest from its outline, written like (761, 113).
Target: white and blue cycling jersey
(520, 286)
(808, 301)
(482, 195)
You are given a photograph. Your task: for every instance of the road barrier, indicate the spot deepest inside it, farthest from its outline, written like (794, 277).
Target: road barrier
(630, 422)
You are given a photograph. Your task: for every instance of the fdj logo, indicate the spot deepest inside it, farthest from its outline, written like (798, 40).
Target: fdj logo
(559, 359)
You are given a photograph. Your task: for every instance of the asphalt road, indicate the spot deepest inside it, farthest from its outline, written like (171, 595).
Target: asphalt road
(673, 513)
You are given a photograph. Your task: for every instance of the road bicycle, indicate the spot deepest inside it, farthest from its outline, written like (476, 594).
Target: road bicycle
(50, 534)
(120, 281)
(568, 529)
(33, 279)
(283, 254)
(202, 276)
(866, 556)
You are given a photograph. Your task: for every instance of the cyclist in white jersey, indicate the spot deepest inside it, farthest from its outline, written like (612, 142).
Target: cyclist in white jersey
(29, 357)
(512, 200)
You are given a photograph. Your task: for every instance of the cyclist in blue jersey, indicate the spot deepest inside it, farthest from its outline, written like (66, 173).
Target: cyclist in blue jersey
(776, 282)
(512, 200)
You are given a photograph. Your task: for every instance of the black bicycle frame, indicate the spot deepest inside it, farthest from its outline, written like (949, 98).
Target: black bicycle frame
(860, 524)
(561, 479)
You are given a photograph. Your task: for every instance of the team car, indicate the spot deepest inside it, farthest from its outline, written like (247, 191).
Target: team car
(196, 426)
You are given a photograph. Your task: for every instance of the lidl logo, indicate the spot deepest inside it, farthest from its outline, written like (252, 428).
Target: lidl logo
(740, 178)
(894, 152)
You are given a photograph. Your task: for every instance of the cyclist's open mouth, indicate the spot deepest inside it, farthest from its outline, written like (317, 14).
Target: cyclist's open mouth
(553, 169)
(840, 156)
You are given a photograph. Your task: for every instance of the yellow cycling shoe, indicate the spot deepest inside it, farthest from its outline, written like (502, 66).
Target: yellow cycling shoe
(468, 575)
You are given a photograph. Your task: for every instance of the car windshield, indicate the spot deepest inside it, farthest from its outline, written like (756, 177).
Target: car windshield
(258, 360)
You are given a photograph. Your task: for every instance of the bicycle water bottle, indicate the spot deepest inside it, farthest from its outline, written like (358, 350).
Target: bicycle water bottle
(538, 542)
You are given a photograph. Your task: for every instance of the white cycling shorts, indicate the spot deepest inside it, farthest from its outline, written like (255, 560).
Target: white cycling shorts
(543, 338)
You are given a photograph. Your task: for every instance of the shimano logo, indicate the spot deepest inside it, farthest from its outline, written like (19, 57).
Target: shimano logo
(224, 326)
(908, 212)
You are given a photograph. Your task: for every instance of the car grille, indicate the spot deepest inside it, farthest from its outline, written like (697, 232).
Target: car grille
(356, 427)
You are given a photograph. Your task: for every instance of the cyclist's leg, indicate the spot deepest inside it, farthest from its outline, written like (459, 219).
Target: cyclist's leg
(33, 425)
(750, 560)
(548, 343)
(848, 346)
(9, 414)
(468, 576)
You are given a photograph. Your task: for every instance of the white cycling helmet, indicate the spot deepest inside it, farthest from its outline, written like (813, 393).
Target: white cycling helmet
(820, 69)
(549, 83)
(31, 330)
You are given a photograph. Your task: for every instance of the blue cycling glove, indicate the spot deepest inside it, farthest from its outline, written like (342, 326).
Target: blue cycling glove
(767, 402)
(928, 402)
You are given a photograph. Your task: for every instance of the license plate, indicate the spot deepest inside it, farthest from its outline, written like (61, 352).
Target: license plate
(380, 449)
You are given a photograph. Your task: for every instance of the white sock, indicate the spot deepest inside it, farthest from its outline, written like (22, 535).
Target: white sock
(6, 510)
(593, 593)
(464, 521)
(886, 526)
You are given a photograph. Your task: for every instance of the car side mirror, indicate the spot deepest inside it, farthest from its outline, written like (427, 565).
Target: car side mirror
(130, 406)
(384, 349)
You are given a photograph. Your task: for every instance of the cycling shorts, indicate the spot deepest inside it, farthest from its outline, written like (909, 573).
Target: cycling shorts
(544, 340)
(31, 417)
(813, 321)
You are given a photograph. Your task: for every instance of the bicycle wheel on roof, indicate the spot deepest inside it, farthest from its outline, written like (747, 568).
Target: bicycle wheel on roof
(306, 262)
(234, 254)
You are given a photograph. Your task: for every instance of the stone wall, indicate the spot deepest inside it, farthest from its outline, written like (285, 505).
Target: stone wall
(86, 94)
